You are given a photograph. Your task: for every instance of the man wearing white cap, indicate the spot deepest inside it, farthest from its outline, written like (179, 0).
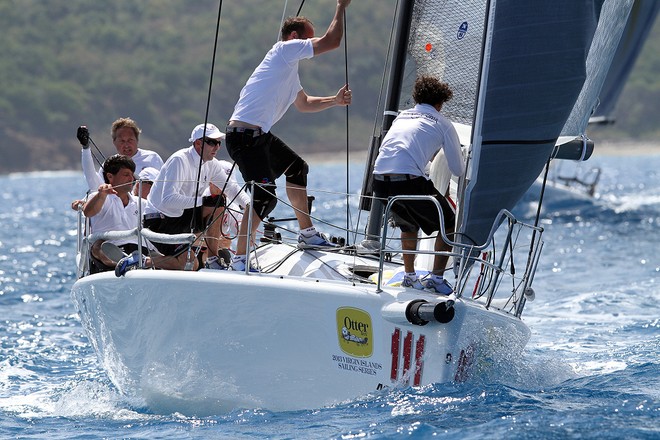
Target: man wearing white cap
(146, 179)
(187, 203)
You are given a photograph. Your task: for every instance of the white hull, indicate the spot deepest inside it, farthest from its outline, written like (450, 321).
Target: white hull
(212, 341)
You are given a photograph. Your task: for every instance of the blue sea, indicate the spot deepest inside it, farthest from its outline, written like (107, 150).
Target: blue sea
(590, 370)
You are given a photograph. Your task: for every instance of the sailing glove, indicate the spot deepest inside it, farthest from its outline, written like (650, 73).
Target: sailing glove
(83, 136)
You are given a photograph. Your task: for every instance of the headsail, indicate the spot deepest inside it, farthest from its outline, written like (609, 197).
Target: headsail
(613, 18)
(639, 25)
(535, 68)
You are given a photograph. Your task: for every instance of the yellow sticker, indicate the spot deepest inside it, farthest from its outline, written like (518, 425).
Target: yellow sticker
(354, 331)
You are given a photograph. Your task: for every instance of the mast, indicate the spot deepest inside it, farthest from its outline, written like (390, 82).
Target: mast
(391, 109)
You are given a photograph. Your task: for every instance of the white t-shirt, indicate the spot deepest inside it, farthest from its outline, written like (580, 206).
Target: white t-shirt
(414, 137)
(142, 159)
(273, 86)
(174, 190)
(114, 216)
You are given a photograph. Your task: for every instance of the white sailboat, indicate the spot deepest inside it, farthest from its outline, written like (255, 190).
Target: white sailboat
(314, 327)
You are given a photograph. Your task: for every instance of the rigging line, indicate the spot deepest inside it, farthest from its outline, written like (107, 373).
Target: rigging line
(300, 8)
(348, 210)
(377, 116)
(286, 2)
(206, 114)
(99, 151)
(538, 212)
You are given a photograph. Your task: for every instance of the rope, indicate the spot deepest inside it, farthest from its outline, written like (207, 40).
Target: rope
(100, 162)
(348, 211)
(206, 114)
(300, 8)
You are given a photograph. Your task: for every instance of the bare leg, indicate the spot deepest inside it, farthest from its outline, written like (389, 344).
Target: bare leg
(99, 255)
(409, 243)
(241, 242)
(169, 262)
(298, 197)
(440, 261)
(213, 233)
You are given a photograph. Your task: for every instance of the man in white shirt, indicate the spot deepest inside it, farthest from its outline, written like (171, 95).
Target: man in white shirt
(125, 137)
(414, 138)
(192, 190)
(261, 156)
(114, 208)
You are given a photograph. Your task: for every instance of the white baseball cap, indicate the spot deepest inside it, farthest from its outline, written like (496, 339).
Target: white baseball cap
(148, 173)
(211, 132)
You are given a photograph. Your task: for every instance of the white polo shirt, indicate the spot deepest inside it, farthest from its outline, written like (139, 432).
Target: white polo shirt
(142, 159)
(114, 216)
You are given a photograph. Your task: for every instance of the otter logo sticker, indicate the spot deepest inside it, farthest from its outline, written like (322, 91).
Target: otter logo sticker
(354, 331)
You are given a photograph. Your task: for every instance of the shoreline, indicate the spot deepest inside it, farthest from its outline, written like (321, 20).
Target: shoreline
(646, 148)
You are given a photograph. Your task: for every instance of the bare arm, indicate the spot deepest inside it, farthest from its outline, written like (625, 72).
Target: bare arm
(332, 37)
(309, 104)
(95, 203)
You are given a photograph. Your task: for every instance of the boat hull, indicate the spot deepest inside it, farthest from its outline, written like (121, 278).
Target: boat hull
(208, 342)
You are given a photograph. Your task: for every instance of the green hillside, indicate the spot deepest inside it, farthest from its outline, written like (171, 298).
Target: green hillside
(64, 63)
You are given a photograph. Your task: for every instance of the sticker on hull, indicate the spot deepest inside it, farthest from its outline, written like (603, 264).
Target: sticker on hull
(354, 332)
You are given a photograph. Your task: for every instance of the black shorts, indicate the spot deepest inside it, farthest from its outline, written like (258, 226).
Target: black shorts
(176, 225)
(413, 215)
(261, 159)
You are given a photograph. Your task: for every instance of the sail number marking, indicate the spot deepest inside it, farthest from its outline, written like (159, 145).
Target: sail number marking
(403, 359)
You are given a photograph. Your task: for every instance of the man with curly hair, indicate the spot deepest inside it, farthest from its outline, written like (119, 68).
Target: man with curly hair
(413, 140)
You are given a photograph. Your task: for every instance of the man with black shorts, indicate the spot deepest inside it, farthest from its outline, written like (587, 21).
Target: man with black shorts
(261, 156)
(414, 138)
(187, 204)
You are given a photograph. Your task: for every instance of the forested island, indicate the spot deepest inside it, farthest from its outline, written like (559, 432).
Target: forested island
(65, 63)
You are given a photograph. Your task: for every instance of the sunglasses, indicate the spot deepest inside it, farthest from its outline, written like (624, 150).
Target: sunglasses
(212, 142)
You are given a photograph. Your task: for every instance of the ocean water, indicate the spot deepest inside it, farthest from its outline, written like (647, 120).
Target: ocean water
(590, 370)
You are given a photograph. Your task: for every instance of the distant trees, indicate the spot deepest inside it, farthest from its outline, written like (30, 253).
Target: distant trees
(69, 62)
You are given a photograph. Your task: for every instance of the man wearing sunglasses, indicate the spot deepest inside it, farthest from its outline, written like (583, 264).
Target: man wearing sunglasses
(187, 204)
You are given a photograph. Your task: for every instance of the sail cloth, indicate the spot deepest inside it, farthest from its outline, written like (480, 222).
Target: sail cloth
(613, 19)
(445, 41)
(534, 69)
(523, 72)
(639, 25)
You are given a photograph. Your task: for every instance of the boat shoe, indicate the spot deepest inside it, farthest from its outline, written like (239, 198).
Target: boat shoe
(314, 242)
(238, 265)
(438, 285)
(415, 283)
(215, 263)
(127, 263)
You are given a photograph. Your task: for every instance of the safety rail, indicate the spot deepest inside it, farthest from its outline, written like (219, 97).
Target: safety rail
(85, 241)
(466, 255)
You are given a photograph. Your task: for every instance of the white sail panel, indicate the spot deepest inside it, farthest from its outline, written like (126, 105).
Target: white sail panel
(445, 42)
